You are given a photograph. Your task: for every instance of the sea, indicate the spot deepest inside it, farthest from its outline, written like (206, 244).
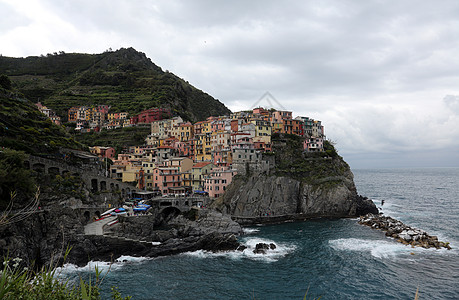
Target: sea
(330, 259)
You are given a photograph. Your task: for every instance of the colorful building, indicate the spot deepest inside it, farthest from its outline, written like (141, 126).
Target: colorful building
(198, 172)
(217, 181)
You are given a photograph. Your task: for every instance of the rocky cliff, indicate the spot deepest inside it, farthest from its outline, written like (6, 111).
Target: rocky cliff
(299, 186)
(44, 236)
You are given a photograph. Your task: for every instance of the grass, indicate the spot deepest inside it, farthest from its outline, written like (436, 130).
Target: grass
(18, 281)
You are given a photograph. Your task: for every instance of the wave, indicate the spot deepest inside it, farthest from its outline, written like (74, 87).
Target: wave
(379, 248)
(250, 230)
(102, 266)
(271, 256)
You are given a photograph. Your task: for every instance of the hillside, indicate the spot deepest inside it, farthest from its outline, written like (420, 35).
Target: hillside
(124, 79)
(116, 138)
(23, 127)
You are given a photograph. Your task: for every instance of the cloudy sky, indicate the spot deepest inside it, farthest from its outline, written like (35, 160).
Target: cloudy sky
(383, 76)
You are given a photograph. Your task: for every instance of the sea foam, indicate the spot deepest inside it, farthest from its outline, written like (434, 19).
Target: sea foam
(379, 248)
(250, 242)
(250, 230)
(102, 266)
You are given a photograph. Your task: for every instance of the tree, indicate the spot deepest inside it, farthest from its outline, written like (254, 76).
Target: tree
(14, 177)
(5, 82)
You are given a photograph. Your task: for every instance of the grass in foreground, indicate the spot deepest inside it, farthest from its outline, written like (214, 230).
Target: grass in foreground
(19, 282)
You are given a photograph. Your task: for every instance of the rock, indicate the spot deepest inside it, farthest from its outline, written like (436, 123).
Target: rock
(261, 248)
(267, 197)
(401, 232)
(241, 248)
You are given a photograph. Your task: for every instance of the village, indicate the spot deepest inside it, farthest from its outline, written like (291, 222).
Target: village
(181, 158)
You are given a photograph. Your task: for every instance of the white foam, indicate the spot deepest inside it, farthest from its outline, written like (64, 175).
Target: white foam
(380, 248)
(130, 259)
(250, 230)
(102, 266)
(271, 255)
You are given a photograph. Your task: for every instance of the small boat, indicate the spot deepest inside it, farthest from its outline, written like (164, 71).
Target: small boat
(107, 212)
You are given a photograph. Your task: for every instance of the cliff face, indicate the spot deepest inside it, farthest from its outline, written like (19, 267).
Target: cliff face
(44, 236)
(300, 186)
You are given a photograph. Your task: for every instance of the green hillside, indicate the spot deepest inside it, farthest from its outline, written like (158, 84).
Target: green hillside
(124, 79)
(116, 138)
(23, 127)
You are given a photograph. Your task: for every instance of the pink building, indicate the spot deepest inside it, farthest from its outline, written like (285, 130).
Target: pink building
(279, 115)
(217, 125)
(217, 181)
(167, 180)
(314, 144)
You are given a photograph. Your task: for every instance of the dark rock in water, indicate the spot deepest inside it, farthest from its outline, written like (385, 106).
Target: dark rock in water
(402, 233)
(241, 248)
(261, 248)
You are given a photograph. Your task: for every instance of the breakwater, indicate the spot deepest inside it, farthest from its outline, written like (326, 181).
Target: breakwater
(402, 232)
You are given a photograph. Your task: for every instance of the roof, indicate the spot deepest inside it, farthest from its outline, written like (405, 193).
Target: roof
(201, 164)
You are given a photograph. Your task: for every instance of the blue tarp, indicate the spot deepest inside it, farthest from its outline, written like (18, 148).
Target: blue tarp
(140, 208)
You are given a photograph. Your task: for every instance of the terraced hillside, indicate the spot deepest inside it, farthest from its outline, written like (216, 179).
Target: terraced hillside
(124, 79)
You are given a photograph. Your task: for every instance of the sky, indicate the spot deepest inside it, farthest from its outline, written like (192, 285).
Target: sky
(382, 76)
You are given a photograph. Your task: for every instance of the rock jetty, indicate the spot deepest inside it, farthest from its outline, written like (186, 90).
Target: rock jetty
(403, 233)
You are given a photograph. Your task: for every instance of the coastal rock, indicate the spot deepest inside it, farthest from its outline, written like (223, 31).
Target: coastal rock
(402, 233)
(291, 184)
(45, 235)
(263, 198)
(263, 248)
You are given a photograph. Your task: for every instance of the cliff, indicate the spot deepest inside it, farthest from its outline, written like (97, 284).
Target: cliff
(298, 186)
(44, 236)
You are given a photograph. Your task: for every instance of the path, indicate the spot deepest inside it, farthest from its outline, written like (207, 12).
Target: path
(96, 228)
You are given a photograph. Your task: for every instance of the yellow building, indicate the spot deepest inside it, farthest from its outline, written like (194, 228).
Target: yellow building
(206, 128)
(130, 174)
(277, 127)
(90, 113)
(187, 178)
(186, 132)
(199, 146)
(207, 147)
(262, 128)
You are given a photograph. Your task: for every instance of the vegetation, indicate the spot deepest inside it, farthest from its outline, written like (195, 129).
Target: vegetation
(23, 127)
(124, 79)
(313, 168)
(116, 138)
(15, 179)
(20, 282)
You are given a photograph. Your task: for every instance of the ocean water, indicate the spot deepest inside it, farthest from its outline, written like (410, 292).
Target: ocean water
(334, 259)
